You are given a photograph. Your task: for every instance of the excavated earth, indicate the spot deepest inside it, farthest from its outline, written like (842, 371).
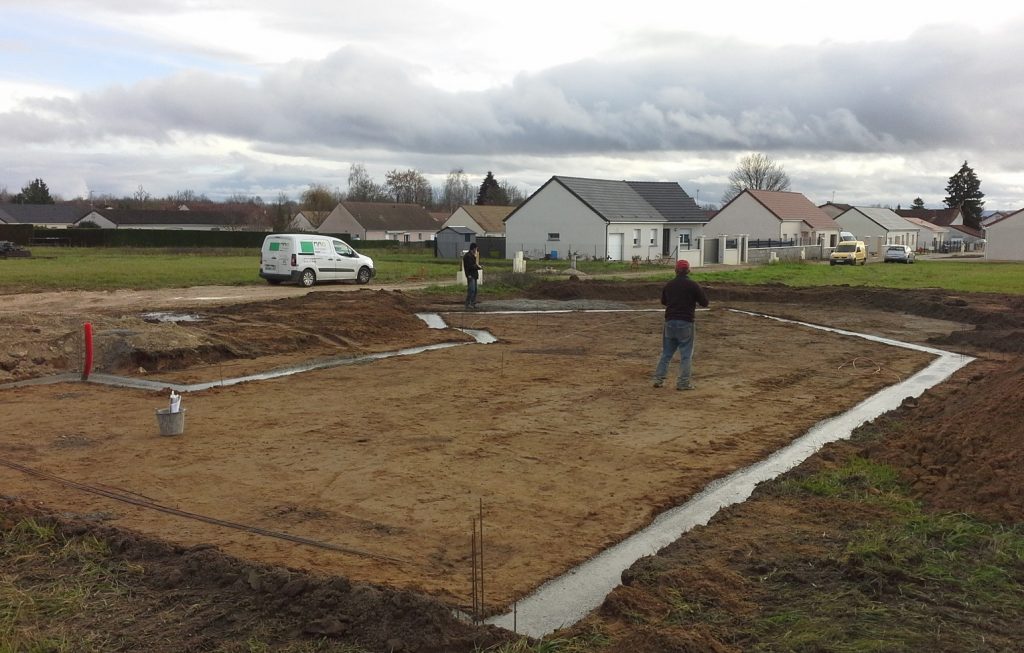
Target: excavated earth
(334, 508)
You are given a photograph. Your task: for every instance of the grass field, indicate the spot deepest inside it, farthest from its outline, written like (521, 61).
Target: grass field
(64, 268)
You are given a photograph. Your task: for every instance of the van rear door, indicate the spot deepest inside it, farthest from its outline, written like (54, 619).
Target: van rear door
(277, 252)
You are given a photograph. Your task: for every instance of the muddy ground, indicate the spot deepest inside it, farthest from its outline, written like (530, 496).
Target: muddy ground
(379, 468)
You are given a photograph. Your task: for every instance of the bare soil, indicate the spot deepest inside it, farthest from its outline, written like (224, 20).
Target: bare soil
(339, 502)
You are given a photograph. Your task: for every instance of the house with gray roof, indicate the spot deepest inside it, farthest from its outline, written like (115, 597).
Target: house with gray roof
(380, 221)
(604, 219)
(175, 219)
(54, 216)
(877, 226)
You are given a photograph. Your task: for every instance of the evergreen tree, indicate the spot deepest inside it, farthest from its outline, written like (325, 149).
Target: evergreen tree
(964, 192)
(35, 193)
(491, 193)
(918, 203)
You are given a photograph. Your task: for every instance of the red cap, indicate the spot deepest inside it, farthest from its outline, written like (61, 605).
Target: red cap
(682, 265)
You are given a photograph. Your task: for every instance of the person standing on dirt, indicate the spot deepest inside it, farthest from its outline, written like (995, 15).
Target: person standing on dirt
(471, 266)
(680, 298)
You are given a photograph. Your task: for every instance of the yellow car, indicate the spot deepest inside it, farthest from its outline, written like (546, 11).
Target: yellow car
(849, 252)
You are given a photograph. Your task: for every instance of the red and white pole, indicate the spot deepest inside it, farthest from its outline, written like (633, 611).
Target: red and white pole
(87, 367)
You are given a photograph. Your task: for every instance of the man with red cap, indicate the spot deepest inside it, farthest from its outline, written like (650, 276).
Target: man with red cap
(680, 298)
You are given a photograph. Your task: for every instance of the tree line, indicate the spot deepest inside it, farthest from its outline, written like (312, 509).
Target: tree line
(399, 186)
(755, 171)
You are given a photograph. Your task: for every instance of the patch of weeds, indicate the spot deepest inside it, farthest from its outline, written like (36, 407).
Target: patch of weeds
(34, 606)
(590, 641)
(880, 590)
(323, 645)
(860, 479)
(685, 609)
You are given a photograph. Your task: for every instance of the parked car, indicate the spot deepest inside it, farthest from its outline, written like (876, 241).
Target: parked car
(306, 259)
(899, 254)
(849, 252)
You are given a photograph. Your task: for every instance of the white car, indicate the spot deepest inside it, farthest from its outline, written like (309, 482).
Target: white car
(899, 254)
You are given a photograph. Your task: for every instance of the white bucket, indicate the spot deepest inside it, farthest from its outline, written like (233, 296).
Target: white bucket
(170, 423)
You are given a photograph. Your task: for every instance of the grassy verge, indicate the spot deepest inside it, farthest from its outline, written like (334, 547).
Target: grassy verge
(70, 268)
(961, 276)
(900, 581)
(68, 594)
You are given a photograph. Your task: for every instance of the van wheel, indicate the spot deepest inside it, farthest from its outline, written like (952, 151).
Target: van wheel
(308, 278)
(364, 275)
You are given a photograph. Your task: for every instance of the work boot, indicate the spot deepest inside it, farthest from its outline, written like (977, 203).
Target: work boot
(686, 386)
(659, 382)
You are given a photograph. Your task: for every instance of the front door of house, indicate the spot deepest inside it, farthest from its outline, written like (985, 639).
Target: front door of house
(615, 247)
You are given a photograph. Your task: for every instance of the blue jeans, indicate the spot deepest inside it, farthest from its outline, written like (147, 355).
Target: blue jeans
(470, 291)
(678, 334)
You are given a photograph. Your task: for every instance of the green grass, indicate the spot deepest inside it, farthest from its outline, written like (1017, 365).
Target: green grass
(65, 268)
(961, 276)
(76, 268)
(901, 583)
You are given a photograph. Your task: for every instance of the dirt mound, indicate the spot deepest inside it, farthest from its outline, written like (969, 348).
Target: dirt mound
(960, 445)
(213, 599)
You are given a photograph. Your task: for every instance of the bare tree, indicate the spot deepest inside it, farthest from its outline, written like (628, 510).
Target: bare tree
(408, 187)
(513, 195)
(457, 190)
(755, 172)
(318, 201)
(361, 188)
(280, 214)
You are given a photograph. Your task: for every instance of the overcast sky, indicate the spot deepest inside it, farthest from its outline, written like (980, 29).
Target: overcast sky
(868, 103)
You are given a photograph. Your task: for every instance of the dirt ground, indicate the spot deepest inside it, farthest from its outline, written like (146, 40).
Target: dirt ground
(372, 473)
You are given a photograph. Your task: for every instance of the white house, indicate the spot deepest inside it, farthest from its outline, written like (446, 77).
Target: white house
(483, 220)
(1005, 238)
(877, 226)
(929, 236)
(380, 221)
(775, 215)
(602, 218)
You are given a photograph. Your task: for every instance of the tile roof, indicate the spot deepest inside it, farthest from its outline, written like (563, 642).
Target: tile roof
(123, 217)
(42, 214)
(941, 217)
(788, 205)
(381, 216)
(490, 218)
(927, 225)
(885, 218)
(633, 201)
(670, 200)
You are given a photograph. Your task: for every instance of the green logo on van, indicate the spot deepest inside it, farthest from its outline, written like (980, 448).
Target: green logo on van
(306, 246)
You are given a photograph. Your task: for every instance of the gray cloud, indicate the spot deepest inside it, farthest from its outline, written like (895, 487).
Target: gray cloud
(940, 90)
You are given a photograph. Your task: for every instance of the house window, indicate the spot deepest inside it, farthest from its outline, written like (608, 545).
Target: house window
(553, 236)
(654, 236)
(636, 238)
(465, 237)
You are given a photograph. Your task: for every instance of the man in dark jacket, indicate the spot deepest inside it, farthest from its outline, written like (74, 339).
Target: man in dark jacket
(680, 298)
(471, 266)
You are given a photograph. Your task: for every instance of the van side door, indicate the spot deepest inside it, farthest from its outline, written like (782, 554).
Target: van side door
(345, 260)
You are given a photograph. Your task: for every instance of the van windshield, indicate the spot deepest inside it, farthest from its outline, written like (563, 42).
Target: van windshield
(846, 247)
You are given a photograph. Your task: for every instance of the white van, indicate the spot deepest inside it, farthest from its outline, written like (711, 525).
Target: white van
(307, 258)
